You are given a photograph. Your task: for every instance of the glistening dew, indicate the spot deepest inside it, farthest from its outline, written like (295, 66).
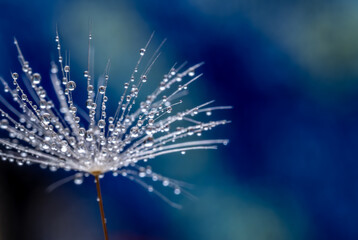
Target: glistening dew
(56, 133)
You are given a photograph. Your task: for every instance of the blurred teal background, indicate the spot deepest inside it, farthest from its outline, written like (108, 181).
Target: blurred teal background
(289, 69)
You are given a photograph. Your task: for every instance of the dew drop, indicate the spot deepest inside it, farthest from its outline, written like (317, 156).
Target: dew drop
(64, 80)
(43, 104)
(90, 89)
(165, 182)
(89, 136)
(53, 169)
(142, 51)
(71, 85)
(66, 68)
(134, 132)
(46, 118)
(64, 147)
(81, 132)
(165, 78)
(149, 142)
(177, 191)
(102, 89)
(101, 123)
(89, 103)
(24, 97)
(36, 78)
(4, 123)
(78, 179)
(162, 86)
(15, 76)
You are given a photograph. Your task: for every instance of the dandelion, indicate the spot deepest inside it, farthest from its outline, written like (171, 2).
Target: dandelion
(57, 133)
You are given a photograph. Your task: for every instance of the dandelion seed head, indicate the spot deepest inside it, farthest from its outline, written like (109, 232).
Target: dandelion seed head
(55, 132)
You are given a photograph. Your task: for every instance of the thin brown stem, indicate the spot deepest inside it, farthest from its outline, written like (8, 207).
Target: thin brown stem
(100, 203)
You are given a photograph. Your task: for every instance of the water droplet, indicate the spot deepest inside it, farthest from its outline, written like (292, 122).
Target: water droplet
(4, 123)
(53, 168)
(101, 123)
(43, 166)
(64, 80)
(134, 132)
(64, 148)
(66, 68)
(177, 191)
(165, 78)
(89, 103)
(208, 113)
(43, 104)
(149, 142)
(165, 182)
(81, 132)
(162, 86)
(142, 174)
(102, 89)
(71, 85)
(182, 152)
(46, 118)
(15, 76)
(191, 73)
(78, 179)
(36, 78)
(142, 51)
(111, 127)
(89, 136)
(90, 89)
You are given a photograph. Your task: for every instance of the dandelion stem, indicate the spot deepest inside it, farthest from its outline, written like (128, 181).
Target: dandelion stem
(100, 203)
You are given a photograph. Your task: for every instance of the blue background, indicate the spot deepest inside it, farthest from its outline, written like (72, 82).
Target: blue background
(289, 69)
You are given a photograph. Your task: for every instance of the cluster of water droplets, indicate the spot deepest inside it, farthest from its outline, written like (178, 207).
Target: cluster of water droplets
(56, 133)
